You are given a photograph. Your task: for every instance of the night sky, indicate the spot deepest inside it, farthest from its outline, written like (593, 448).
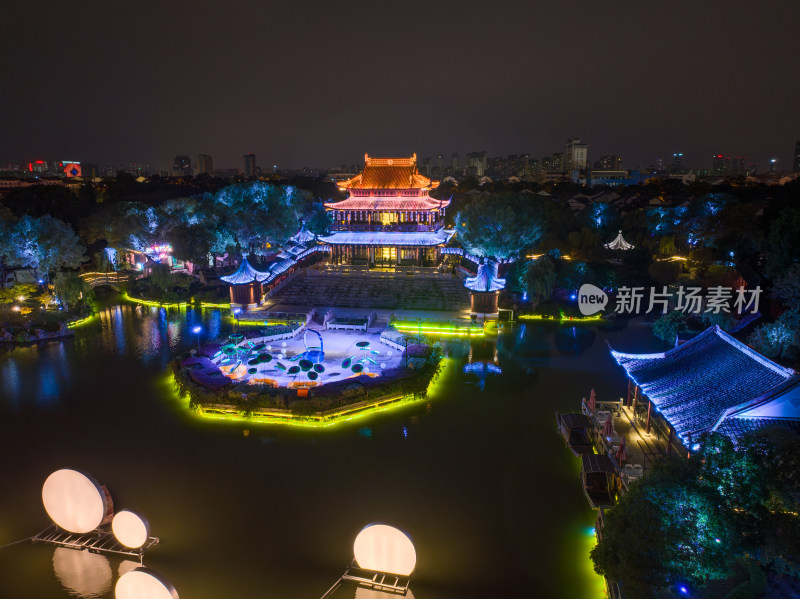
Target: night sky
(320, 83)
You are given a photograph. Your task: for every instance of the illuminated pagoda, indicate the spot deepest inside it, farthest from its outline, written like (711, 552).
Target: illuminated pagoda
(388, 218)
(619, 243)
(713, 382)
(245, 285)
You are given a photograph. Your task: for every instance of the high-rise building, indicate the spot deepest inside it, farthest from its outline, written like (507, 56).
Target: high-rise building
(796, 165)
(454, 164)
(205, 165)
(720, 165)
(182, 166)
(575, 154)
(677, 161)
(440, 164)
(477, 163)
(249, 166)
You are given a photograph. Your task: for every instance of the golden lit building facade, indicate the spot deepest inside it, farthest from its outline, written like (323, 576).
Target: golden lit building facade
(388, 218)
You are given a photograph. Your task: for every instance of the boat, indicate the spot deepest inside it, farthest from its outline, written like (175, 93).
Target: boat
(576, 430)
(599, 480)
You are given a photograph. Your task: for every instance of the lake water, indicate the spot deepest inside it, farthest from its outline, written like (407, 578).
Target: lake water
(476, 475)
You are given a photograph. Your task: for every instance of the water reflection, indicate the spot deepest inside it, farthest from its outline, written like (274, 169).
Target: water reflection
(82, 574)
(574, 340)
(45, 373)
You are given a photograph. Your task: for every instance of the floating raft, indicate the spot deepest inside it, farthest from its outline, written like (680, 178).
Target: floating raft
(98, 541)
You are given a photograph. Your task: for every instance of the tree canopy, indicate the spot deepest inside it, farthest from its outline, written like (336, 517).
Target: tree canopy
(500, 225)
(687, 521)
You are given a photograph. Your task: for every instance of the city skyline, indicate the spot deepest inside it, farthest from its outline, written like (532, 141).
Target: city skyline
(321, 84)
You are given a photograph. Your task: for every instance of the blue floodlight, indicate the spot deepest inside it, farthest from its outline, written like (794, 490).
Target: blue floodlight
(196, 330)
(683, 589)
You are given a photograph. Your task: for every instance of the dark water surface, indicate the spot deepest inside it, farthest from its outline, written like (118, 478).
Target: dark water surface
(476, 475)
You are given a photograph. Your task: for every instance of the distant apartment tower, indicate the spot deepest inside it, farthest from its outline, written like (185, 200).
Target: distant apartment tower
(440, 164)
(454, 164)
(477, 163)
(677, 161)
(796, 165)
(575, 154)
(182, 166)
(249, 166)
(608, 163)
(205, 165)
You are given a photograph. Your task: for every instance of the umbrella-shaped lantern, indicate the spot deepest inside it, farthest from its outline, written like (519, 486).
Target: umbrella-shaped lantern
(280, 366)
(319, 368)
(622, 452)
(312, 375)
(293, 370)
(305, 365)
(264, 358)
(608, 427)
(357, 368)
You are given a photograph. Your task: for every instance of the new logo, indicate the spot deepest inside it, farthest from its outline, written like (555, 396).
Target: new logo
(591, 299)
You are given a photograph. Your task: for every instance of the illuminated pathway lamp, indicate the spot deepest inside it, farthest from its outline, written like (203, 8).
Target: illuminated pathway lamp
(384, 559)
(74, 500)
(130, 528)
(144, 583)
(196, 331)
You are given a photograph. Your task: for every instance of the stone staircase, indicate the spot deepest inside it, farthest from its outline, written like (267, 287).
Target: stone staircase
(357, 290)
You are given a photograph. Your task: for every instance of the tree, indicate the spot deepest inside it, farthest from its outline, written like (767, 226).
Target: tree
(670, 324)
(664, 532)
(783, 242)
(499, 225)
(70, 288)
(540, 279)
(787, 286)
(778, 339)
(192, 243)
(43, 244)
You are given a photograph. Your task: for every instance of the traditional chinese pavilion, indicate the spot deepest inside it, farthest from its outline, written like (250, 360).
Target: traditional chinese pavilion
(388, 218)
(713, 383)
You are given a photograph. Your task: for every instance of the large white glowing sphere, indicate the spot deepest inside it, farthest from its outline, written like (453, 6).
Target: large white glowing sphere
(81, 573)
(74, 500)
(384, 548)
(130, 528)
(144, 583)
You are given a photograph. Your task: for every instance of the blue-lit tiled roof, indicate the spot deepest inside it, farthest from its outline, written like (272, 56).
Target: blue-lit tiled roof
(303, 235)
(694, 383)
(244, 274)
(486, 279)
(735, 427)
(278, 268)
(395, 238)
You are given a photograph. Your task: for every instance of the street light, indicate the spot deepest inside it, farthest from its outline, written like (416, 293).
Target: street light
(196, 331)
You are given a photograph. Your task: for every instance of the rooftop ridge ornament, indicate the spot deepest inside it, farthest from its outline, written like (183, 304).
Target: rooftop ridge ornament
(619, 243)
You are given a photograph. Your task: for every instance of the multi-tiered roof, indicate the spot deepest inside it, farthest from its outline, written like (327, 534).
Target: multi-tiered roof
(389, 184)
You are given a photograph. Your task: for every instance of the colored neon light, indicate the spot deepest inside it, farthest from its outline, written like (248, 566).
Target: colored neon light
(80, 321)
(561, 319)
(324, 420)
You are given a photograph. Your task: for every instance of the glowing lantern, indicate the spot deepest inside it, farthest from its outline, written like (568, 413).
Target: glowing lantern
(383, 548)
(75, 501)
(130, 528)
